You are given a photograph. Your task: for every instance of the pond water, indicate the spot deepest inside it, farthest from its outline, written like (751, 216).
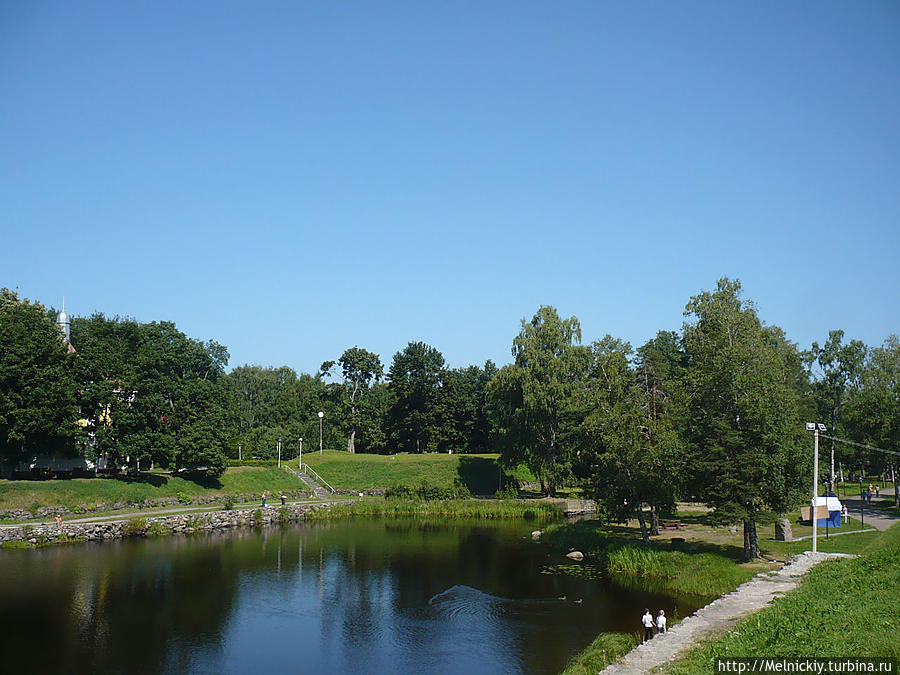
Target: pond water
(400, 596)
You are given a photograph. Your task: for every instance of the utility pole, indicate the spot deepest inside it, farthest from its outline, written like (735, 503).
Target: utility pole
(279, 452)
(240, 452)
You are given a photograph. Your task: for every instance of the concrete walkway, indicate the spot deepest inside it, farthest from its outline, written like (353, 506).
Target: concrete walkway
(872, 515)
(720, 614)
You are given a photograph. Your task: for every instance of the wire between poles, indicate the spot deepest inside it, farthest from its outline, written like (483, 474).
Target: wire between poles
(859, 445)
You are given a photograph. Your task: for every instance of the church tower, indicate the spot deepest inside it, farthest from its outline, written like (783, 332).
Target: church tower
(62, 320)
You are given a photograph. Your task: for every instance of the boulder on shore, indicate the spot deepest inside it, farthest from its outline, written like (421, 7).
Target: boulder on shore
(783, 530)
(575, 555)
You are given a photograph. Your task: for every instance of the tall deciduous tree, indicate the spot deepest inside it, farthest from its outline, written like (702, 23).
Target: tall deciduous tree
(840, 367)
(360, 368)
(873, 413)
(37, 387)
(415, 378)
(534, 402)
(630, 451)
(743, 412)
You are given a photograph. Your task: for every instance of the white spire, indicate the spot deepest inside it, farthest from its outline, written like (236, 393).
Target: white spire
(62, 320)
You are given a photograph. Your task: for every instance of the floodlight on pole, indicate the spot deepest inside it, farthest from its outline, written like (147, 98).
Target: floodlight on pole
(321, 415)
(300, 457)
(813, 512)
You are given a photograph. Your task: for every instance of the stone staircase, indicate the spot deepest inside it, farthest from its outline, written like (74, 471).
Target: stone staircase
(319, 492)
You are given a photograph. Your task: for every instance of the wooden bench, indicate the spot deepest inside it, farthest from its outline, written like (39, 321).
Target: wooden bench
(670, 524)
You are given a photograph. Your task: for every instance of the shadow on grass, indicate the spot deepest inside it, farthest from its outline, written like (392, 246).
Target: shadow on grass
(482, 476)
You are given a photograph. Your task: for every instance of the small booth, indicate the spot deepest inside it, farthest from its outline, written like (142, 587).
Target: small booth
(828, 511)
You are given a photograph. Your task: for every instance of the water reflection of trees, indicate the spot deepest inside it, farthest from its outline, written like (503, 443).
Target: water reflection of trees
(348, 594)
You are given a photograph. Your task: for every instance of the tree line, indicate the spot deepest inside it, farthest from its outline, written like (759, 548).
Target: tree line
(713, 412)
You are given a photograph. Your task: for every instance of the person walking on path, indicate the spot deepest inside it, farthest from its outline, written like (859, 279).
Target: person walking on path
(661, 622)
(647, 620)
(58, 522)
(264, 499)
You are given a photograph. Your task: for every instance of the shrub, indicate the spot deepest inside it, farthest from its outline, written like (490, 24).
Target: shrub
(34, 507)
(134, 527)
(284, 516)
(257, 516)
(157, 529)
(508, 492)
(398, 491)
(229, 502)
(183, 497)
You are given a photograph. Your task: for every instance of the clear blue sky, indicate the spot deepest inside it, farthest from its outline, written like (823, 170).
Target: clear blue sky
(292, 179)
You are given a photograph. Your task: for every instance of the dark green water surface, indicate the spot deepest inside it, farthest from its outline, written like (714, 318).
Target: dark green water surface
(364, 596)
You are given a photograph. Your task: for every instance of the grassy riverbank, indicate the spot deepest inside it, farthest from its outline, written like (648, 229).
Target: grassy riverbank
(84, 493)
(600, 653)
(479, 473)
(463, 508)
(843, 608)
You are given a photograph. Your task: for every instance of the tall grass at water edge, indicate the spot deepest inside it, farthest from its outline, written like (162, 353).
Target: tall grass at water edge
(600, 653)
(659, 565)
(469, 508)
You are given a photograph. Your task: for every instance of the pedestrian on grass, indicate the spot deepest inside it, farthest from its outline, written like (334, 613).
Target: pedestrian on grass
(647, 620)
(661, 622)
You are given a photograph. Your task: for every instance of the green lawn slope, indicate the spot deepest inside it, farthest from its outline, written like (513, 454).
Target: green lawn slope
(480, 473)
(85, 492)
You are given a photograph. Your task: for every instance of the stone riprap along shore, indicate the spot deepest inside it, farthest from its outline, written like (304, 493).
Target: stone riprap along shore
(45, 512)
(141, 526)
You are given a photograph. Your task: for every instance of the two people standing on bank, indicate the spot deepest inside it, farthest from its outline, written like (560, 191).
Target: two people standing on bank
(648, 621)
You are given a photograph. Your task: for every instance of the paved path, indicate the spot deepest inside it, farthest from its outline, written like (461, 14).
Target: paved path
(718, 615)
(873, 516)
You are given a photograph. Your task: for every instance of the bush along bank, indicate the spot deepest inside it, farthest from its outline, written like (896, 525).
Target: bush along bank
(459, 508)
(26, 536)
(668, 567)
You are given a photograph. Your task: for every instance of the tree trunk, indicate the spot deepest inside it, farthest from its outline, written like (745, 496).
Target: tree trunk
(895, 475)
(645, 535)
(751, 540)
(351, 445)
(654, 521)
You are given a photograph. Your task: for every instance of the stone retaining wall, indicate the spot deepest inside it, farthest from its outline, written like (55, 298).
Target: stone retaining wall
(38, 535)
(83, 511)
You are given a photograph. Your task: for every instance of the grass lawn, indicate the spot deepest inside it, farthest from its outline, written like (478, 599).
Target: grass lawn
(86, 492)
(480, 473)
(843, 608)
(463, 508)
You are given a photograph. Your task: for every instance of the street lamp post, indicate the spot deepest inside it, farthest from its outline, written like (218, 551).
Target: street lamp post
(321, 415)
(815, 428)
(300, 458)
(279, 452)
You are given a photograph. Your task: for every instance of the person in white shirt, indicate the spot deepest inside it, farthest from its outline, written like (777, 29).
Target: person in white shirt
(647, 620)
(661, 622)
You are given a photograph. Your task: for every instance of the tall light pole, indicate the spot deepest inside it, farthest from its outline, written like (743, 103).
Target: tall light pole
(300, 458)
(815, 427)
(321, 415)
(279, 452)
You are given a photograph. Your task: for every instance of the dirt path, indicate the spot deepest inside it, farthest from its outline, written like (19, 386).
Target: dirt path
(718, 615)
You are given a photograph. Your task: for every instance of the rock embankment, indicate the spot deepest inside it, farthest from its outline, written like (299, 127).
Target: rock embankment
(44, 512)
(178, 523)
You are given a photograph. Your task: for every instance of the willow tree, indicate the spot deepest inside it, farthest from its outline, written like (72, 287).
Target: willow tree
(535, 401)
(743, 417)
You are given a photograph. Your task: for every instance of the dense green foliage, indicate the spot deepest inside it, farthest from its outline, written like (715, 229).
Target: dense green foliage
(712, 413)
